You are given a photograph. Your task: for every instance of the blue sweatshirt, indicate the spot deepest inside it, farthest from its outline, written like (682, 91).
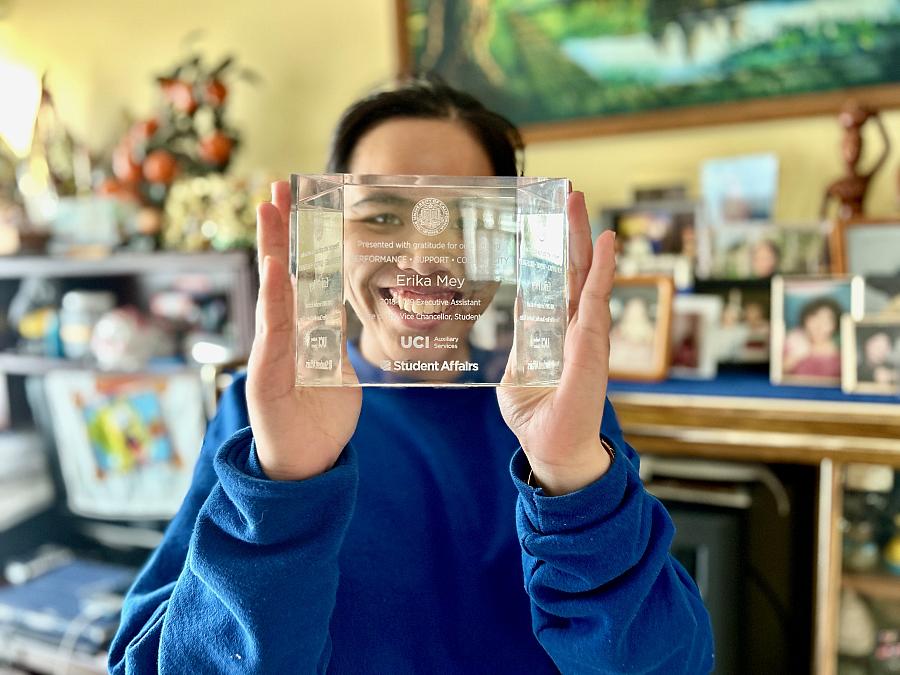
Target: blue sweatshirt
(408, 557)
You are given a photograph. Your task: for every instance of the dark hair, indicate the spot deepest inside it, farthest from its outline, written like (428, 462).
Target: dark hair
(429, 97)
(814, 306)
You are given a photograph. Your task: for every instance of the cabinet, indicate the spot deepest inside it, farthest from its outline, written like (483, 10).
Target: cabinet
(743, 419)
(133, 278)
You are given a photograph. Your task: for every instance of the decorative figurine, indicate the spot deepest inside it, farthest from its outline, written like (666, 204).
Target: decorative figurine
(850, 190)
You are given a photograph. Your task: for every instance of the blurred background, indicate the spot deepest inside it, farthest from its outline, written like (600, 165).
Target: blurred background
(744, 152)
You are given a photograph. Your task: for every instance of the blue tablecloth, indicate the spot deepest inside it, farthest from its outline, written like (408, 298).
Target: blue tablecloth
(744, 383)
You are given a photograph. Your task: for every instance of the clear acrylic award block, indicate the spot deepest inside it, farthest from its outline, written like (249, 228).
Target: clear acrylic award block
(432, 280)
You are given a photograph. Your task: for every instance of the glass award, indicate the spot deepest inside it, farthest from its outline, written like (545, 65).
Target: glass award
(429, 280)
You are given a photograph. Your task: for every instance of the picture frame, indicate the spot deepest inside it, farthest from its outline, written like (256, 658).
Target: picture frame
(870, 355)
(744, 333)
(655, 238)
(806, 327)
(640, 333)
(866, 246)
(695, 319)
(127, 444)
(882, 295)
(740, 189)
(762, 251)
(663, 227)
(601, 70)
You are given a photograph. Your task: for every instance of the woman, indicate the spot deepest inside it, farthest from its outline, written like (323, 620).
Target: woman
(812, 349)
(377, 531)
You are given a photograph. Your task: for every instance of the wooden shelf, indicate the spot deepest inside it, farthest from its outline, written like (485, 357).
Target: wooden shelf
(122, 264)
(760, 429)
(876, 585)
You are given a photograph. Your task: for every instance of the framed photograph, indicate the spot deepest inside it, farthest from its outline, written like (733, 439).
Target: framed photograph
(127, 444)
(806, 327)
(695, 319)
(743, 333)
(653, 228)
(655, 238)
(754, 252)
(870, 349)
(565, 69)
(882, 296)
(870, 247)
(740, 189)
(641, 309)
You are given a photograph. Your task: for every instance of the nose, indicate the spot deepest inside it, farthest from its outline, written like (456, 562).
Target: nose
(429, 255)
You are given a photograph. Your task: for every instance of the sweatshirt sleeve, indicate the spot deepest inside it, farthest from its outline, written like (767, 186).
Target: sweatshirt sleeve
(606, 595)
(260, 555)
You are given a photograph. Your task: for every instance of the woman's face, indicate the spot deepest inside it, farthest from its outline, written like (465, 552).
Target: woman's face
(403, 282)
(878, 348)
(821, 325)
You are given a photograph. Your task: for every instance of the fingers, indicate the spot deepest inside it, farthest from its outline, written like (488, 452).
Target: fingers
(272, 234)
(281, 198)
(348, 374)
(271, 366)
(593, 312)
(579, 248)
(586, 360)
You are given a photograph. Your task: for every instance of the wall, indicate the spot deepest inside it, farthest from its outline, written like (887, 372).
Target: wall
(315, 57)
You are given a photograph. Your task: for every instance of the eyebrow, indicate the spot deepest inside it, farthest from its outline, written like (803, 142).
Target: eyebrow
(388, 198)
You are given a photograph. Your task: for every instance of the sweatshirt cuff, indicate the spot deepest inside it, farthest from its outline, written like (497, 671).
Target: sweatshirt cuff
(570, 512)
(269, 510)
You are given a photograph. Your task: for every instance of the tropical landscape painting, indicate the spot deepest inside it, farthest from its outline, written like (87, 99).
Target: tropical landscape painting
(542, 61)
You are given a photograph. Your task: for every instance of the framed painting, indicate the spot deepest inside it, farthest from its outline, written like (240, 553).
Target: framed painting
(567, 68)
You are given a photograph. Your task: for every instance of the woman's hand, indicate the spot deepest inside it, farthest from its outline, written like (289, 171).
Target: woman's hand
(299, 431)
(559, 427)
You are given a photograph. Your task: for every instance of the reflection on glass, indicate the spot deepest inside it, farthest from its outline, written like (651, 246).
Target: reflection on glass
(443, 278)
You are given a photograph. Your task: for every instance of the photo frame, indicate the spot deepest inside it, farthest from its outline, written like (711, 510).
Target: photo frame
(640, 334)
(695, 319)
(127, 444)
(744, 332)
(563, 70)
(739, 190)
(655, 238)
(870, 354)
(762, 251)
(806, 327)
(882, 295)
(866, 246)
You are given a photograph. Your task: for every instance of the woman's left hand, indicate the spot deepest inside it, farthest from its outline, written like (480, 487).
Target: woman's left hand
(559, 427)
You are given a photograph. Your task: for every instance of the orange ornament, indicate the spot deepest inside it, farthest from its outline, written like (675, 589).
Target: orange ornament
(215, 149)
(117, 190)
(160, 166)
(141, 131)
(180, 94)
(123, 165)
(215, 92)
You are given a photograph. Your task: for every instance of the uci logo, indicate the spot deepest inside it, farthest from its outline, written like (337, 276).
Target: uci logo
(430, 216)
(414, 341)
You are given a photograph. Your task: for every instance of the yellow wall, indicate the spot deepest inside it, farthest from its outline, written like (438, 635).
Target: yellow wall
(316, 56)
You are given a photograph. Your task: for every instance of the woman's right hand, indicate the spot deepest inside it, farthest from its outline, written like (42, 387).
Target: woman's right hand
(299, 431)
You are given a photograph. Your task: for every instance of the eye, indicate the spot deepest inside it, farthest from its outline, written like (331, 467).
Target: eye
(386, 219)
